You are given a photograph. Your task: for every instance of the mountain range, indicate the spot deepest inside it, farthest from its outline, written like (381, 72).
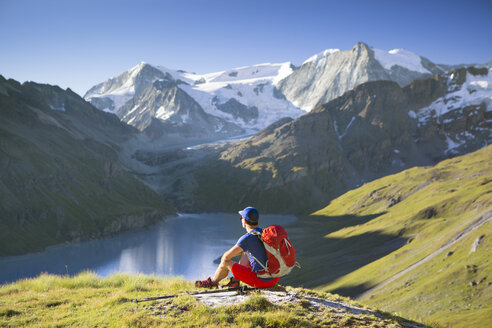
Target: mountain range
(247, 99)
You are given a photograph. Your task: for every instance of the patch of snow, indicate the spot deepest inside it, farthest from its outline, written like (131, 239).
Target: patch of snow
(220, 87)
(219, 127)
(130, 112)
(320, 55)
(453, 145)
(118, 99)
(163, 114)
(340, 136)
(284, 71)
(477, 89)
(247, 73)
(400, 57)
(60, 109)
(185, 118)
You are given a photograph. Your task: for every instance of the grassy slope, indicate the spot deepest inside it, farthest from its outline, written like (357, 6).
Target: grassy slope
(88, 301)
(68, 194)
(389, 224)
(60, 179)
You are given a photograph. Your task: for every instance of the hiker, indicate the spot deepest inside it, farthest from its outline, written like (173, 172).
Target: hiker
(251, 250)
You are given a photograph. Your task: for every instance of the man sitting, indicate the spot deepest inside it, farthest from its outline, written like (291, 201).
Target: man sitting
(251, 250)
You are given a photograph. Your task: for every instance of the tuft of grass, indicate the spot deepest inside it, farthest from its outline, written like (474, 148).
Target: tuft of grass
(257, 303)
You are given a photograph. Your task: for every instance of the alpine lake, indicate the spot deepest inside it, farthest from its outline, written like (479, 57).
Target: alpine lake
(186, 245)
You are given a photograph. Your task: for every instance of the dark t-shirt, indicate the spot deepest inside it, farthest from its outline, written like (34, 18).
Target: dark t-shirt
(252, 244)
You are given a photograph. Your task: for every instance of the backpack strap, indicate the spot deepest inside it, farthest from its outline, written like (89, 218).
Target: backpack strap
(255, 233)
(258, 234)
(257, 261)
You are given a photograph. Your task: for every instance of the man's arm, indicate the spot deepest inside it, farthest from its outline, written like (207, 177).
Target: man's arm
(226, 263)
(232, 252)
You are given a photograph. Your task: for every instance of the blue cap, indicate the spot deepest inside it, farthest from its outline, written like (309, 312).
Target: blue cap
(250, 214)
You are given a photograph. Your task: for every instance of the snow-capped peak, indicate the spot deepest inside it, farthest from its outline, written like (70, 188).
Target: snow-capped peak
(137, 68)
(400, 57)
(320, 55)
(112, 94)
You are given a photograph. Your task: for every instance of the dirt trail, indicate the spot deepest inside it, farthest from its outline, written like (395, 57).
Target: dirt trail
(477, 221)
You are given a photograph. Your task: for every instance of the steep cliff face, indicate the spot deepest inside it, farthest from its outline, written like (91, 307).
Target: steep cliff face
(376, 129)
(177, 112)
(459, 121)
(60, 175)
(110, 95)
(331, 73)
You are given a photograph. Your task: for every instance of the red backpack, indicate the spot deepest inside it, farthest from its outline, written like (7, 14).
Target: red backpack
(281, 255)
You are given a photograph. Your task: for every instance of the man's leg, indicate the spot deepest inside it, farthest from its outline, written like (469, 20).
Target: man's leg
(245, 260)
(222, 271)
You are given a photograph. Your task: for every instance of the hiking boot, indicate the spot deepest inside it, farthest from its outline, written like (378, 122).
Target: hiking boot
(233, 283)
(208, 283)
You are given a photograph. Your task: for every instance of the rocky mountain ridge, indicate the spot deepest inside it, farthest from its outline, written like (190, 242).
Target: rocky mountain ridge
(61, 177)
(245, 100)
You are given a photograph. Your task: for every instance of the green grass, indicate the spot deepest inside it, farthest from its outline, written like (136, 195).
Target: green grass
(370, 234)
(88, 301)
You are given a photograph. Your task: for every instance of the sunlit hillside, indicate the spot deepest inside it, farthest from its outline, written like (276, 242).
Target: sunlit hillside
(417, 243)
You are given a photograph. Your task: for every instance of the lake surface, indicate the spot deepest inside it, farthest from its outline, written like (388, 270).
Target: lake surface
(185, 245)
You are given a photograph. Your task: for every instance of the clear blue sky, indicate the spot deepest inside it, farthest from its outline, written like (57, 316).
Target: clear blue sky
(79, 43)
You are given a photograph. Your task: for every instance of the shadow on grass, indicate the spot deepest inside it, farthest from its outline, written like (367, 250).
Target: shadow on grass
(334, 223)
(352, 291)
(325, 259)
